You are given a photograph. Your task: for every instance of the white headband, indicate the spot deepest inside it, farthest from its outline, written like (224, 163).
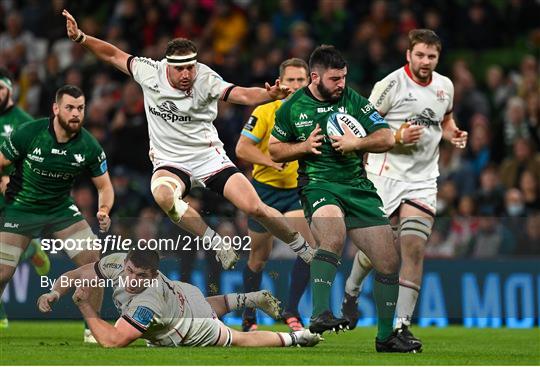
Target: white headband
(179, 60)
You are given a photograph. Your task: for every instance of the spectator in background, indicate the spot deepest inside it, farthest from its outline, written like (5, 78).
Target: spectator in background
(16, 43)
(284, 18)
(492, 237)
(187, 26)
(468, 99)
(453, 167)
(515, 123)
(479, 152)
(533, 116)
(499, 89)
(489, 197)
(514, 213)
(528, 184)
(529, 244)
(523, 159)
(300, 43)
(479, 28)
(329, 23)
(226, 29)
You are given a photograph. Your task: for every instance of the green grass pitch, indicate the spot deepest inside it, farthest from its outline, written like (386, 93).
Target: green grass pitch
(60, 343)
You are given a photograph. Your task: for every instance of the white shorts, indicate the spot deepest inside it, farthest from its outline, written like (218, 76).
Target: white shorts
(200, 168)
(421, 194)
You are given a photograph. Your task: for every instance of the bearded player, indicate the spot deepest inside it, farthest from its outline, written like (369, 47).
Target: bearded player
(417, 103)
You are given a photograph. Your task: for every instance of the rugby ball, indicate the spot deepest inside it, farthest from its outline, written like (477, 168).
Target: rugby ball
(337, 119)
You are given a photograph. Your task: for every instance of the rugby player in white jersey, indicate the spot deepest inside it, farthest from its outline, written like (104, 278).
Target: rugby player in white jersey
(417, 103)
(164, 312)
(181, 99)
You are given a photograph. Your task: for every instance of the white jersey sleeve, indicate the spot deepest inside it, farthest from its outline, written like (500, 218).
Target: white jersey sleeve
(215, 86)
(142, 69)
(400, 99)
(110, 266)
(382, 95)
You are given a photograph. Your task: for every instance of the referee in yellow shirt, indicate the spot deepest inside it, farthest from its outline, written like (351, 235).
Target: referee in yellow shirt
(277, 186)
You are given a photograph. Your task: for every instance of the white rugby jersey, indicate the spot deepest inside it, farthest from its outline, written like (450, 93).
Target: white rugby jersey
(400, 99)
(163, 313)
(180, 124)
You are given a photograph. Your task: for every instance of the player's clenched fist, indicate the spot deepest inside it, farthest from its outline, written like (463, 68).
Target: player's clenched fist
(80, 295)
(104, 221)
(45, 300)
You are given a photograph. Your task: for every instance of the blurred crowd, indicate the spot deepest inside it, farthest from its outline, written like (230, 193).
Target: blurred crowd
(489, 193)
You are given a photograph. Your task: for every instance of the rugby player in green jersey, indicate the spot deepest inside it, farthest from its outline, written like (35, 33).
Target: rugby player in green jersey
(47, 155)
(337, 197)
(11, 116)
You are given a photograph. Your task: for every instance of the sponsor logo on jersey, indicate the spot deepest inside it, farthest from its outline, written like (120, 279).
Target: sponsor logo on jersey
(426, 118)
(367, 108)
(7, 130)
(103, 167)
(342, 109)
(376, 118)
(11, 225)
(303, 116)
(280, 131)
(143, 315)
(37, 151)
(35, 158)
(303, 123)
(79, 158)
(102, 157)
(112, 266)
(410, 98)
(441, 96)
(251, 122)
(154, 88)
(325, 109)
(385, 92)
(58, 151)
(168, 111)
(75, 209)
(321, 200)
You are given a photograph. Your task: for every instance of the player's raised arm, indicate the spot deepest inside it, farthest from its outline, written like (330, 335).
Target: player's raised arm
(107, 335)
(253, 96)
(105, 200)
(103, 50)
(63, 285)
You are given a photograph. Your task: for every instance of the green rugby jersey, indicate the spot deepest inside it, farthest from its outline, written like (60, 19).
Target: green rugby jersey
(46, 169)
(299, 115)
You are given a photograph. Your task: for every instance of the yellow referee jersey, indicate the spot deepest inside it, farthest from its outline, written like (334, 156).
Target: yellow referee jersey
(258, 128)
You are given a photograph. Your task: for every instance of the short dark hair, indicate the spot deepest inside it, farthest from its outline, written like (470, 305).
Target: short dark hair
(326, 57)
(426, 36)
(180, 46)
(296, 62)
(70, 90)
(5, 73)
(144, 259)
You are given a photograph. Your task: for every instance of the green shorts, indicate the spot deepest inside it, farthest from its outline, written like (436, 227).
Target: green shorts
(39, 222)
(360, 203)
(284, 200)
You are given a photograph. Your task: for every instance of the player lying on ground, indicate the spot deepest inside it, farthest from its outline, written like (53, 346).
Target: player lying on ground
(166, 312)
(181, 103)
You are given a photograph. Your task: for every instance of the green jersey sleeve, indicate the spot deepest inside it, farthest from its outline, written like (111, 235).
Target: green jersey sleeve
(367, 115)
(97, 162)
(283, 127)
(16, 144)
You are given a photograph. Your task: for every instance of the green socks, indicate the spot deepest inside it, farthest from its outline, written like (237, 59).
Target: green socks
(323, 271)
(385, 293)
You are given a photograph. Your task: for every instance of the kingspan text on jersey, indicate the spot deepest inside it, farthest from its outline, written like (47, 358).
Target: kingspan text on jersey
(168, 116)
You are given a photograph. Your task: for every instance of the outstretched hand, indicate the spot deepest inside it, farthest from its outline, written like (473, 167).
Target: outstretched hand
(277, 91)
(71, 25)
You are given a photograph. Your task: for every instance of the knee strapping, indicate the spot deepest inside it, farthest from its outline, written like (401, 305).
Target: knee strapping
(10, 255)
(417, 226)
(180, 207)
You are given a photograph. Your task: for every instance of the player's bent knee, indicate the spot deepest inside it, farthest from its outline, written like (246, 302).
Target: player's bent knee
(167, 192)
(420, 227)
(10, 256)
(6, 272)
(83, 254)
